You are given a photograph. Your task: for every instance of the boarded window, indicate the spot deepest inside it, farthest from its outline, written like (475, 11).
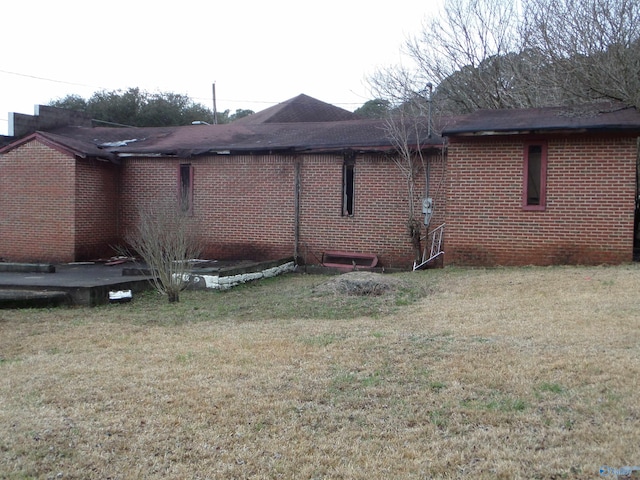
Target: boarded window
(185, 187)
(535, 169)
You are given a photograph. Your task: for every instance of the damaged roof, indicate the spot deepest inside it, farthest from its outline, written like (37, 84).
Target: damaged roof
(601, 117)
(301, 124)
(306, 125)
(192, 140)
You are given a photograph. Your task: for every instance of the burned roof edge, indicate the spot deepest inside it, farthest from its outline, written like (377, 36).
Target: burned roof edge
(604, 117)
(541, 130)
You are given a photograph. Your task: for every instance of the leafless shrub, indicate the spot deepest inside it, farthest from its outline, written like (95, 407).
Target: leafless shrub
(166, 240)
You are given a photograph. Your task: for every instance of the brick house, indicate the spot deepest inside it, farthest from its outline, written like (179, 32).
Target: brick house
(304, 178)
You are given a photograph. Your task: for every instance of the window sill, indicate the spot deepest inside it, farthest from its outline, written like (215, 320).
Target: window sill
(534, 208)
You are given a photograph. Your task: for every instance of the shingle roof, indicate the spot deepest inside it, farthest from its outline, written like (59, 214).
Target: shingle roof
(593, 117)
(358, 135)
(300, 109)
(264, 135)
(301, 124)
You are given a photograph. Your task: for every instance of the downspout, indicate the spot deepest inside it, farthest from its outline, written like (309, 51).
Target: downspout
(636, 213)
(296, 207)
(119, 233)
(427, 183)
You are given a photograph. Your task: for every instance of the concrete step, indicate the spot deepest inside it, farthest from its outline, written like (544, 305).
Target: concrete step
(22, 298)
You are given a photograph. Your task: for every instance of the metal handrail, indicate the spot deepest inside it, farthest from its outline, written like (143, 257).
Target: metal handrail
(435, 249)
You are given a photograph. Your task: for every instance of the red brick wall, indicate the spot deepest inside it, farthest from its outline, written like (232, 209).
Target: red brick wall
(247, 205)
(379, 222)
(56, 209)
(244, 207)
(96, 209)
(590, 202)
(37, 185)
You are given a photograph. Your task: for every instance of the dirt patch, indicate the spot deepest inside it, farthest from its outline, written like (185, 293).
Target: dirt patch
(360, 283)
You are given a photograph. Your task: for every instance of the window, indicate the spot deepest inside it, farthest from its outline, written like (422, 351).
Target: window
(535, 173)
(185, 187)
(348, 185)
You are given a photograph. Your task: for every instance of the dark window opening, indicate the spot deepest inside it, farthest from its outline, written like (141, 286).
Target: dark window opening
(348, 187)
(186, 188)
(535, 165)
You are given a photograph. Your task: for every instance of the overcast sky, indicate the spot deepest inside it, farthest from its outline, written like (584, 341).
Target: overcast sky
(258, 52)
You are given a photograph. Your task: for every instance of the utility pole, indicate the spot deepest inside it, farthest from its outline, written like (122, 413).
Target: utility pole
(215, 110)
(430, 87)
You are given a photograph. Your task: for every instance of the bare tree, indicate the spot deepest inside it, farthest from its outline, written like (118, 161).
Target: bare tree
(505, 54)
(593, 45)
(166, 241)
(464, 50)
(405, 128)
(473, 52)
(409, 126)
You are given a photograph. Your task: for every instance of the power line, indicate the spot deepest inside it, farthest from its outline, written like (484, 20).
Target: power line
(64, 82)
(225, 100)
(48, 79)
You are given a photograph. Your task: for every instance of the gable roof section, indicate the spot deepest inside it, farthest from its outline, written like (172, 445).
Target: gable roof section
(603, 117)
(300, 109)
(67, 146)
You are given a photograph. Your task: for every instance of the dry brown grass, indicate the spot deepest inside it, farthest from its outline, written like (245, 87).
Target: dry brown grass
(506, 373)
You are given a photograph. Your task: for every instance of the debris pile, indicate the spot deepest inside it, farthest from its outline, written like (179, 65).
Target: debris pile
(359, 283)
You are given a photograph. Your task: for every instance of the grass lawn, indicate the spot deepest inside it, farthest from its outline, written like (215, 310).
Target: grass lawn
(504, 373)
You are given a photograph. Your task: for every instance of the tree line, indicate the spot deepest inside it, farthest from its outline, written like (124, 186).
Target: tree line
(138, 108)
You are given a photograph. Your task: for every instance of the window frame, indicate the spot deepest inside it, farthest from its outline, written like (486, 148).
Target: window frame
(542, 204)
(185, 190)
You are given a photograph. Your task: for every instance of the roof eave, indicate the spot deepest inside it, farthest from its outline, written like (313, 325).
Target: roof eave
(269, 150)
(540, 131)
(60, 147)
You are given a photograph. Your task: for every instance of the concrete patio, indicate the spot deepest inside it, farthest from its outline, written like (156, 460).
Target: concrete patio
(43, 285)
(25, 285)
